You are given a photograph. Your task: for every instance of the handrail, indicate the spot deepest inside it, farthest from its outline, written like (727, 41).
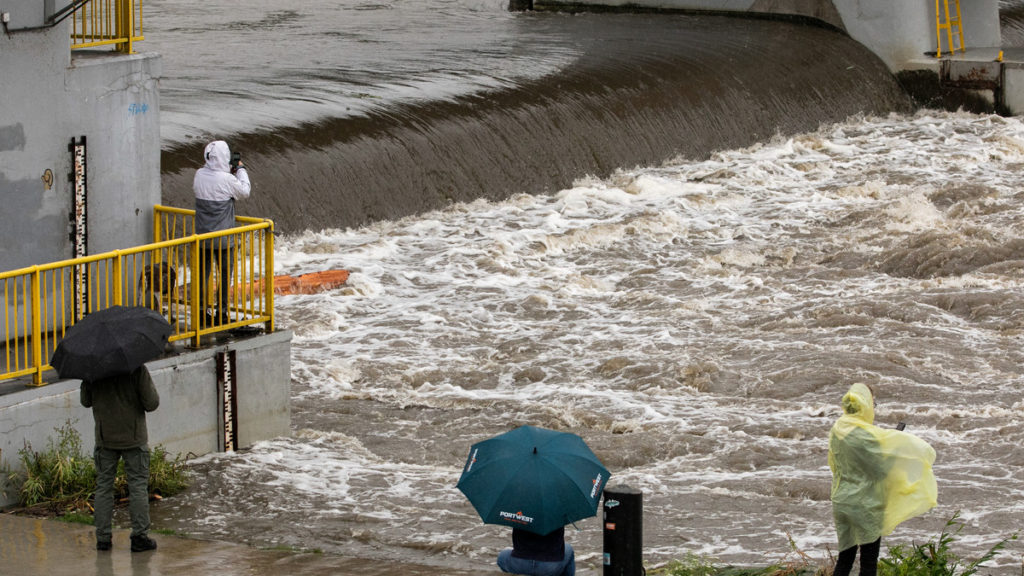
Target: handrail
(60, 15)
(115, 23)
(948, 27)
(38, 304)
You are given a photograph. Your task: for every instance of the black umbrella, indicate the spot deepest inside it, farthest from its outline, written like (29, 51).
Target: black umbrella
(112, 341)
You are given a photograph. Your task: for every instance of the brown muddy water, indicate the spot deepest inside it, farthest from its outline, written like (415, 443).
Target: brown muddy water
(681, 238)
(696, 323)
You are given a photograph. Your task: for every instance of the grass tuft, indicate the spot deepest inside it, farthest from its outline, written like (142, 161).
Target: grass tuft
(61, 477)
(936, 557)
(76, 517)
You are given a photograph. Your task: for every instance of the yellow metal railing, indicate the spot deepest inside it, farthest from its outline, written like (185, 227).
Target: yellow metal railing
(948, 27)
(40, 303)
(107, 22)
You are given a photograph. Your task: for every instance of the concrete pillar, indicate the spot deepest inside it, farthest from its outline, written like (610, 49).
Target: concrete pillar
(905, 31)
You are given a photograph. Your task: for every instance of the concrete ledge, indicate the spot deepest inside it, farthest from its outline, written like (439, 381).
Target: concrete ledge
(1013, 87)
(189, 420)
(823, 11)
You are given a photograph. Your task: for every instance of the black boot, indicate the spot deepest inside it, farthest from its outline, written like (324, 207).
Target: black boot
(143, 543)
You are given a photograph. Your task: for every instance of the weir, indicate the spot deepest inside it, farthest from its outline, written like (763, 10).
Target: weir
(695, 84)
(924, 42)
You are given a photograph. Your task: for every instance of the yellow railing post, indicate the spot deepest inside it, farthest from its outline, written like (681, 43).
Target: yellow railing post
(107, 22)
(268, 276)
(118, 282)
(124, 26)
(157, 226)
(959, 27)
(198, 314)
(37, 330)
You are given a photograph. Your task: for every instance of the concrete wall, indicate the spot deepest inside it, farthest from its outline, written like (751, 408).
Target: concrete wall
(900, 32)
(26, 14)
(46, 99)
(188, 419)
(32, 69)
(1013, 87)
(115, 101)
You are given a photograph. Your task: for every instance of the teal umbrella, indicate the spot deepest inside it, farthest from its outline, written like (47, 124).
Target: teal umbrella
(534, 479)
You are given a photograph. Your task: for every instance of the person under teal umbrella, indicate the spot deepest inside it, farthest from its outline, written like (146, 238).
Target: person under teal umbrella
(538, 555)
(536, 481)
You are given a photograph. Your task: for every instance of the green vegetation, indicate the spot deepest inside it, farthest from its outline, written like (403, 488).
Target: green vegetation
(74, 517)
(691, 565)
(166, 477)
(934, 558)
(61, 476)
(61, 479)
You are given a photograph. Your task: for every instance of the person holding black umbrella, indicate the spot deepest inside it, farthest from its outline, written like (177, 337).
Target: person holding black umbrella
(107, 350)
(119, 404)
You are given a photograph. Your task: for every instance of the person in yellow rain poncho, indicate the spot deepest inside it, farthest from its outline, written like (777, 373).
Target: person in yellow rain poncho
(880, 477)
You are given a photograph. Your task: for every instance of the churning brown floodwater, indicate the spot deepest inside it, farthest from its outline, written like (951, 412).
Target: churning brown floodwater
(696, 321)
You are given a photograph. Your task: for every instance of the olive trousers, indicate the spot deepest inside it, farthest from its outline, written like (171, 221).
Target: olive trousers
(136, 467)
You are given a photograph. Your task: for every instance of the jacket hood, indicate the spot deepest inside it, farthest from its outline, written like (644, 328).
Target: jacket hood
(218, 156)
(859, 403)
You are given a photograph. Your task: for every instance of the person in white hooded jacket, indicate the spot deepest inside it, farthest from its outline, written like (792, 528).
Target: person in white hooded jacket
(217, 186)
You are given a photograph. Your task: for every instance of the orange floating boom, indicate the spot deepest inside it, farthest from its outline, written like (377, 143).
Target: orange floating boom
(311, 283)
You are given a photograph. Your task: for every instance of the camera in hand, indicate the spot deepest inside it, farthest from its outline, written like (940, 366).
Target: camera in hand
(236, 159)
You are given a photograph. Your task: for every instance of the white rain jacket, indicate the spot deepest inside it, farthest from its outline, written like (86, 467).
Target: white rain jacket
(216, 189)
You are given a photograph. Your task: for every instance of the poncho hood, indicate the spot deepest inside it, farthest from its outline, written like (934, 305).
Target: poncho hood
(218, 156)
(859, 403)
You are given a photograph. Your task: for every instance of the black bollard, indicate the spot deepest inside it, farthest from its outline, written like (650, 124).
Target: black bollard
(623, 531)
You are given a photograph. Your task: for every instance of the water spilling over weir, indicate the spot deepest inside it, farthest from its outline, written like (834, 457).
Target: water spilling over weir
(633, 90)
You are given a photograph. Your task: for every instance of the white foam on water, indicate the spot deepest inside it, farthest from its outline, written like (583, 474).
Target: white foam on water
(695, 322)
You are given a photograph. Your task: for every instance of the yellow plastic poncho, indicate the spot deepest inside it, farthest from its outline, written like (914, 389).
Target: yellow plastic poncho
(880, 477)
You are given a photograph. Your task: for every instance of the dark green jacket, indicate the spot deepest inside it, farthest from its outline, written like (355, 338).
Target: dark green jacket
(119, 405)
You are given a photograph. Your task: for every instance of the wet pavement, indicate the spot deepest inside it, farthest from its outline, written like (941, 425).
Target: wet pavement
(36, 546)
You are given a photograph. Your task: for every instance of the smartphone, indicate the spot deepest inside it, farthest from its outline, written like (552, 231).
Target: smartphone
(901, 425)
(236, 157)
